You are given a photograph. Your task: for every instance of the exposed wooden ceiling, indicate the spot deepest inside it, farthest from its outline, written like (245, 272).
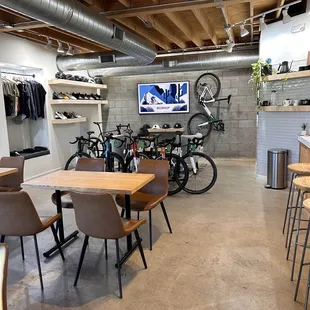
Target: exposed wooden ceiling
(168, 24)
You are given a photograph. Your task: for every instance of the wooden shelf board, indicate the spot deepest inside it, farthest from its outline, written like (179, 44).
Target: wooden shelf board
(59, 101)
(299, 108)
(69, 120)
(284, 76)
(70, 83)
(169, 130)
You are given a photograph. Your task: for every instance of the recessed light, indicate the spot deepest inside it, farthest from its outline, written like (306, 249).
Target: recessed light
(20, 30)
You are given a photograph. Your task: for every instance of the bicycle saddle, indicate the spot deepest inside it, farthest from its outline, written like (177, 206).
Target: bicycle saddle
(90, 132)
(197, 136)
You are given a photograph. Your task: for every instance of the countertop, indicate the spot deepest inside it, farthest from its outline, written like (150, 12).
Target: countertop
(304, 140)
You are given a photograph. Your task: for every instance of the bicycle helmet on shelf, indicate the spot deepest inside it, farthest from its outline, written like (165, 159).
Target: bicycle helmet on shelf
(84, 79)
(98, 80)
(69, 77)
(177, 126)
(91, 80)
(156, 126)
(60, 75)
(166, 126)
(144, 130)
(78, 78)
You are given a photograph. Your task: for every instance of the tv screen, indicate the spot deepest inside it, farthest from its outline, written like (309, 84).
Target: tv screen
(162, 98)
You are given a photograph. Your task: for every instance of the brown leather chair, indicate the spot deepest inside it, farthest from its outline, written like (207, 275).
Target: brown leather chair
(18, 217)
(12, 182)
(83, 164)
(4, 256)
(152, 194)
(97, 216)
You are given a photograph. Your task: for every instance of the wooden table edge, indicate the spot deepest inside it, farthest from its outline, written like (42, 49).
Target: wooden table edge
(11, 171)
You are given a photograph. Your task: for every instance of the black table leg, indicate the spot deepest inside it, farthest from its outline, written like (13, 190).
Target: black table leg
(60, 225)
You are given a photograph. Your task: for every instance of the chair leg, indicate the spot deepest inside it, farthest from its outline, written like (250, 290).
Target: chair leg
(106, 248)
(288, 203)
(119, 270)
(166, 216)
(57, 241)
(150, 228)
(38, 260)
(81, 259)
(22, 247)
(307, 291)
(123, 213)
(290, 213)
(138, 215)
(2, 238)
(140, 248)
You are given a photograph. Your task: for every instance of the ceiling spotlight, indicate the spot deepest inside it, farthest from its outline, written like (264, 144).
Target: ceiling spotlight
(230, 46)
(262, 24)
(20, 30)
(286, 18)
(60, 48)
(48, 45)
(70, 51)
(243, 31)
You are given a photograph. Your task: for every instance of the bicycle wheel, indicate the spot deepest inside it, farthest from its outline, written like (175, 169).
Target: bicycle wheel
(114, 162)
(205, 176)
(130, 166)
(178, 173)
(194, 122)
(213, 83)
(71, 162)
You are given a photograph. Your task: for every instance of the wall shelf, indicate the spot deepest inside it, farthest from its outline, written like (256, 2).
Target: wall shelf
(86, 102)
(284, 76)
(70, 83)
(69, 121)
(169, 130)
(299, 108)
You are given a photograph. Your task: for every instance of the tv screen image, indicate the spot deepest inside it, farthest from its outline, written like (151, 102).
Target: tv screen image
(162, 98)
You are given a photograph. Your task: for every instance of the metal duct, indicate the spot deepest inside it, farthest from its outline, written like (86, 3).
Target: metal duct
(72, 16)
(235, 60)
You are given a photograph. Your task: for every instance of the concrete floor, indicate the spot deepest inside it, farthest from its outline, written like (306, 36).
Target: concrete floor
(226, 252)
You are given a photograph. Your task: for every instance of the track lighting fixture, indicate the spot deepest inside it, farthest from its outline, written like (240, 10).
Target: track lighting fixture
(48, 45)
(60, 48)
(286, 18)
(230, 46)
(70, 51)
(243, 31)
(262, 24)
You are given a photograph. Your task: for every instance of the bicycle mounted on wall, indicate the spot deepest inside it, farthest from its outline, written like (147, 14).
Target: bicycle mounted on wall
(207, 89)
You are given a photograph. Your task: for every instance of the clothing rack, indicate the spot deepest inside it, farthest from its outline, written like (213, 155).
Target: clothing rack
(21, 74)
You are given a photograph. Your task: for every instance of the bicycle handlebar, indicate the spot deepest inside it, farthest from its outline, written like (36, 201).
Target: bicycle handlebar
(77, 139)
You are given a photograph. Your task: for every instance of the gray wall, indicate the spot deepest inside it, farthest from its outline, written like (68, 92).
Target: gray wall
(239, 139)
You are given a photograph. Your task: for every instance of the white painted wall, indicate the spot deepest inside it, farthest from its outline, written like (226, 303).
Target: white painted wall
(24, 53)
(278, 43)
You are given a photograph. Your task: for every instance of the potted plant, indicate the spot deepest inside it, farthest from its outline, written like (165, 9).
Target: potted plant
(304, 131)
(260, 69)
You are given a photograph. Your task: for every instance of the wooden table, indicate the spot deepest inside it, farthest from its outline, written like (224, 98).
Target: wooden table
(111, 182)
(7, 171)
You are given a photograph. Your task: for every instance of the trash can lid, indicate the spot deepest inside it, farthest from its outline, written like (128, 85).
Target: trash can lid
(278, 151)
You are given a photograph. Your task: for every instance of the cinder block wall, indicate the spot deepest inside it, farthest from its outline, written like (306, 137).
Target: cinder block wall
(239, 139)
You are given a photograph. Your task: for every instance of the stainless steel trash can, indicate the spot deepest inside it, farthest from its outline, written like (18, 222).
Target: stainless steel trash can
(277, 168)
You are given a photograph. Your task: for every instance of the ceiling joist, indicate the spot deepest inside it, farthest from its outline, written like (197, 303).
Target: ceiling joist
(280, 3)
(24, 26)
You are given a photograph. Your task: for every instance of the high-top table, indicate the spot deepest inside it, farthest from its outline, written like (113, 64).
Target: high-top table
(7, 171)
(111, 182)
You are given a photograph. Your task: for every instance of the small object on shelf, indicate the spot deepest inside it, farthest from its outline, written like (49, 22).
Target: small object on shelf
(156, 126)
(59, 115)
(69, 121)
(304, 131)
(177, 126)
(287, 102)
(273, 97)
(166, 126)
(265, 103)
(304, 102)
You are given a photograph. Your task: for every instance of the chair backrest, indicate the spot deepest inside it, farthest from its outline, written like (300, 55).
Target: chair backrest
(159, 186)
(14, 179)
(4, 256)
(18, 216)
(90, 164)
(96, 215)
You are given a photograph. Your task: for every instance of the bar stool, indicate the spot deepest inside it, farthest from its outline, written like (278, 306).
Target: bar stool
(302, 184)
(298, 169)
(306, 205)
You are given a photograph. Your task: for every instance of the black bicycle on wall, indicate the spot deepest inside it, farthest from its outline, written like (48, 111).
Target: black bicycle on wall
(207, 89)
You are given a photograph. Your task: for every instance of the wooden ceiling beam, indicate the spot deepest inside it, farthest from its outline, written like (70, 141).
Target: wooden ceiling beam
(185, 28)
(26, 26)
(162, 28)
(146, 33)
(280, 3)
(206, 25)
(170, 7)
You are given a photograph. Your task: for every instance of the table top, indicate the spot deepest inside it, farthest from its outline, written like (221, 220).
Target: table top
(112, 182)
(6, 171)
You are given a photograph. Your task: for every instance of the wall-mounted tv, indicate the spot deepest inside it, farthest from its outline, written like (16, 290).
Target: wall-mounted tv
(162, 98)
